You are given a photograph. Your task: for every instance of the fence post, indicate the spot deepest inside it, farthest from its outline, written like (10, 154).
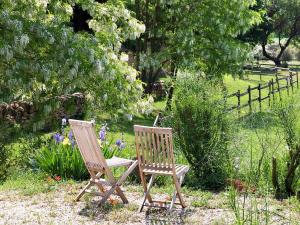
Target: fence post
(260, 76)
(287, 85)
(238, 94)
(259, 96)
(249, 101)
(291, 81)
(297, 79)
(273, 90)
(278, 88)
(269, 94)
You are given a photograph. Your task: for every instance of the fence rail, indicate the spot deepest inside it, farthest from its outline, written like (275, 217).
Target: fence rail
(273, 87)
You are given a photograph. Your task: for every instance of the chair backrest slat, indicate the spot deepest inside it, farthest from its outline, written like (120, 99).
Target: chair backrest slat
(88, 145)
(154, 147)
(149, 146)
(153, 142)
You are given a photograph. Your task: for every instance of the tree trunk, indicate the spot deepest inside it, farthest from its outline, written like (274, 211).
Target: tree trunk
(277, 62)
(174, 71)
(275, 178)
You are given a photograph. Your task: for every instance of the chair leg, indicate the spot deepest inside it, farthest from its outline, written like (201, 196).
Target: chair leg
(121, 194)
(178, 189)
(144, 183)
(147, 193)
(177, 192)
(115, 185)
(83, 191)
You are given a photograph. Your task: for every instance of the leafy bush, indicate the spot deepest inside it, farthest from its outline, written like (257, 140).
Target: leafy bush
(202, 129)
(285, 174)
(3, 162)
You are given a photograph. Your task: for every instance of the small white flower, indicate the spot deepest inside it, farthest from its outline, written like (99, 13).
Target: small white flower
(236, 163)
(98, 66)
(92, 55)
(124, 57)
(105, 97)
(69, 9)
(64, 122)
(114, 56)
(129, 116)
(24, 40)
(141, 28)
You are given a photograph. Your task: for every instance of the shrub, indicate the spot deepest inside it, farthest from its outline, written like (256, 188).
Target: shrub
(285, 172)
(3, 162)
(202, 130)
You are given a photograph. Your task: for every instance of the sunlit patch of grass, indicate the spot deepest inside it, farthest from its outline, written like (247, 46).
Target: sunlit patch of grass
(27, 183)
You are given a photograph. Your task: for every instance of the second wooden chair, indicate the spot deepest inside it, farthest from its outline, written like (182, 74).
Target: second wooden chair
(154, 147)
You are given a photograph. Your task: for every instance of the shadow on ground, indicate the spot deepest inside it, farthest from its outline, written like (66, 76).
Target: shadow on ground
(162, 216)
(96, 212)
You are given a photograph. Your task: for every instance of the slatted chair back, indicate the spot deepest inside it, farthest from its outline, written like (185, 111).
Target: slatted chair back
(154, 147)
(88, 145)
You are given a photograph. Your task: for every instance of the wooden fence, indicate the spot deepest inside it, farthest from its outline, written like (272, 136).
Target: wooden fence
(274, 86)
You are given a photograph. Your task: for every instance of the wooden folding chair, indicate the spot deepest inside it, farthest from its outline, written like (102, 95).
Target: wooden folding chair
(97, 165)
(154, 147)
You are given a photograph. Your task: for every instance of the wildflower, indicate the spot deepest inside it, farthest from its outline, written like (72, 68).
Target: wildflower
(24, 40)
(105, 97)
(124, 57)
(122, 146)
(118, 142)
(102, 133)
(58, 138)
(71, 139)
(66, 141)
(73, 143)
(128, 116)
(57, 178)
(64, 122)
(70, 135)
(98, 66)
(236, 163)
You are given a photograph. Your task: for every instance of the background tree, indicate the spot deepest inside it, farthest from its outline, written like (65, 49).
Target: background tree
(280, 24)
(194, 35)
(44, 56)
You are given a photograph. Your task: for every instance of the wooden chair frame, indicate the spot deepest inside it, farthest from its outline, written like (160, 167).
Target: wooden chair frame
(154, 147)
(97, 165)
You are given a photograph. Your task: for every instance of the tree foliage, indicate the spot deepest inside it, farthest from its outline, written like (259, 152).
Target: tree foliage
(192, 34)
(42, 57)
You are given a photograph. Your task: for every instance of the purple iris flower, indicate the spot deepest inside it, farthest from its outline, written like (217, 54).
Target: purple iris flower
(70, 135)
(118, 142)
(122, 146)
(58, 138)
(102, 134)
(71, 138)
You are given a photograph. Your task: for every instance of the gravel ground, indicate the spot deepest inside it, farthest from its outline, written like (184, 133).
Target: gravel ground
(58, 207)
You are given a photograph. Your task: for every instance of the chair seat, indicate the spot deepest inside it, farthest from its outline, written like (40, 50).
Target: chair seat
(116, 162)
(179, 170)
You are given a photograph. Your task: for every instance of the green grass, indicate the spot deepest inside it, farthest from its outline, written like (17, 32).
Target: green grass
(235, 84)
(28, 183)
